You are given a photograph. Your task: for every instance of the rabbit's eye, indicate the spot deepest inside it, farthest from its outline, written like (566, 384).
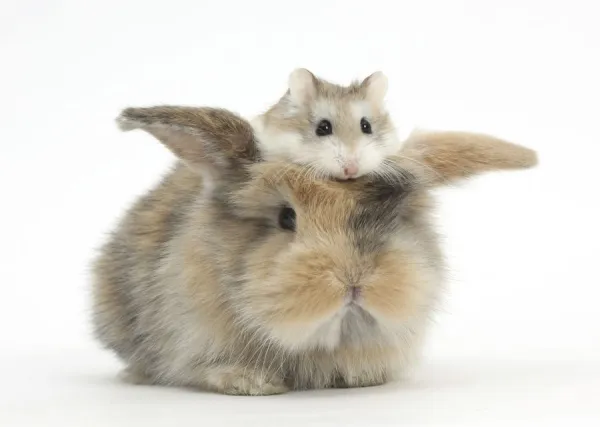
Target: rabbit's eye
(324, 128)
(287, 219)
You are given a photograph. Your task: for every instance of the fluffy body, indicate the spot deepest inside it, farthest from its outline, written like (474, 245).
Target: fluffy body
(199, 286)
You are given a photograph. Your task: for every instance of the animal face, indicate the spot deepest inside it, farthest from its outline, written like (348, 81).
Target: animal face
(337, 131)
(350, 270)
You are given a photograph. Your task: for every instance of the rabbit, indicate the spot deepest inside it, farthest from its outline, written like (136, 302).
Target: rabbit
(242, 276)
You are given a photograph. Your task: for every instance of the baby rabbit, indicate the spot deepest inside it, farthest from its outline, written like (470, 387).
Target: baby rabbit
(244, 276)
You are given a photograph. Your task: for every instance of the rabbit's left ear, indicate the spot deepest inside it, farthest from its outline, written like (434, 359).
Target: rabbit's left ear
(446, 157)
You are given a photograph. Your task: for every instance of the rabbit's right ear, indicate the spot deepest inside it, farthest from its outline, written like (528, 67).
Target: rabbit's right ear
(206, 139)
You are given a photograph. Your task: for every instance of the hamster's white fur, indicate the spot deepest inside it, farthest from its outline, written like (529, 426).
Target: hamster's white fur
(287, 130)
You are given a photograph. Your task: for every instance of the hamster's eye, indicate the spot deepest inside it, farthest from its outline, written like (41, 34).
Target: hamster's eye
(287, 219)
(324, 128)
(365, 126)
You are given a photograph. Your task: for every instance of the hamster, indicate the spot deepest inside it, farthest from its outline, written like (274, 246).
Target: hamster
(337, 131)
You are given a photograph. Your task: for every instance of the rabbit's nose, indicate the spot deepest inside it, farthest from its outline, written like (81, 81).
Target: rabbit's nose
(354, 293)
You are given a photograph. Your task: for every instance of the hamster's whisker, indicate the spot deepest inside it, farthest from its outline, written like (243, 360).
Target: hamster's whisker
(385, 173)
(315, 172)
(279, 175)
(423, 165)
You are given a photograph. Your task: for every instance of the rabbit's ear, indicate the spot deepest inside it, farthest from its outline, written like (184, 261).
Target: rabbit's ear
(206, 139)
(445, 157)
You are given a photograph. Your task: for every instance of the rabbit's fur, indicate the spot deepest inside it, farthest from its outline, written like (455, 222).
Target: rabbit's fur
(199, 286)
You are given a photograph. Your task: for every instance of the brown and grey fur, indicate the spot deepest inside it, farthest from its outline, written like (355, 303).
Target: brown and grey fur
(198, 286)
(286, 131)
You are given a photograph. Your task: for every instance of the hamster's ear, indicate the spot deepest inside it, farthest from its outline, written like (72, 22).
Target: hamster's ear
(445, 157)
(302, 86)
(206, 139)
(376, 86)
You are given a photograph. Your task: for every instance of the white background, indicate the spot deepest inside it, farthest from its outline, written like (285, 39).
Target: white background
(518, 342)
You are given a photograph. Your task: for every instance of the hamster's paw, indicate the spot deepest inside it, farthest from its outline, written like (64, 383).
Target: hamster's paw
(240, 381)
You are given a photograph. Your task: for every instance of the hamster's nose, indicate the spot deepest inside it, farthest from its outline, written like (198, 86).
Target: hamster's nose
(350, 169)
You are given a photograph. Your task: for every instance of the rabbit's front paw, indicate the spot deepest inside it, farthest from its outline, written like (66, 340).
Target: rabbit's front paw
(135, 375)
(363, 380)
(241, 381)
